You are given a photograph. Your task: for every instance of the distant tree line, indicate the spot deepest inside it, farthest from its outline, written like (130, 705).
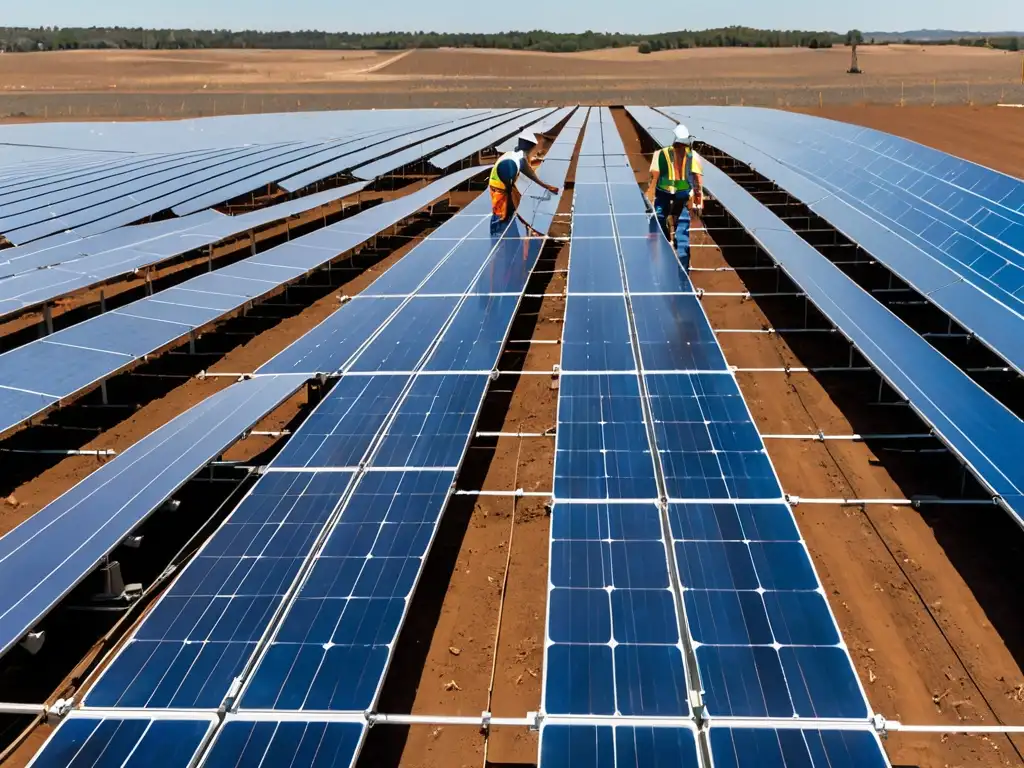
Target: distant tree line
(69, 38)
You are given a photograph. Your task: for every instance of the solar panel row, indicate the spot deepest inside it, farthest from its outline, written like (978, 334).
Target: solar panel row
(935, 221)
(46, 556)
(976, 426)
(670, 535)
(537, 206)
(542, 126)
(461, 144)
(198, 180)
(488, 139)
(45, 275)
(402, 501)
(41, 374)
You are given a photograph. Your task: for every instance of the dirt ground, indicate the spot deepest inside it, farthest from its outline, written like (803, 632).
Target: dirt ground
(168, 84)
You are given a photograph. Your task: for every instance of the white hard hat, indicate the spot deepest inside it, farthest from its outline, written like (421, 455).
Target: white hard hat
(682, 135)
(528, 136)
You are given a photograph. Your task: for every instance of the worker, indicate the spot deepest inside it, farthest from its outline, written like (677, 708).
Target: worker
(676, 176)
(505, 172)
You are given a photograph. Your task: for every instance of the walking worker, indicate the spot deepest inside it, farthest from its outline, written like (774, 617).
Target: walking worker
(676, 175)
(505, 172)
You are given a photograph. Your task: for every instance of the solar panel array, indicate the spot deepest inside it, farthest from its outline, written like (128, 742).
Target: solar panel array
(677, 573)
(686, 625)
(951, 229)
(93, 198)
(980, 431)
(47, 273)
(315, 567)
(39, 375)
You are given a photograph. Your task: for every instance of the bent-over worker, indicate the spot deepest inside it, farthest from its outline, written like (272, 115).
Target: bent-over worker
(676, 174)
(505, 172)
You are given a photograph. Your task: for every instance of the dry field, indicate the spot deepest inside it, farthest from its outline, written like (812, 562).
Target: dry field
(163, 84)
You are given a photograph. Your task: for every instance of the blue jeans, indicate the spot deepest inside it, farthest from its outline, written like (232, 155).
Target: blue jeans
(666, 204)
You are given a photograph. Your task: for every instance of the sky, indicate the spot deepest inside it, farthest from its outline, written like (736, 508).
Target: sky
(481, 16)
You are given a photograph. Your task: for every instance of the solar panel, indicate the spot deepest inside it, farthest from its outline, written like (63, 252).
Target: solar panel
(537, 206)
(617, 746)
(487, 139)
(43, 559)
(976, 426)
(945, 226)
(86, 741)
(638, 585)
(622, 745)
(273, 743)
(40, 374)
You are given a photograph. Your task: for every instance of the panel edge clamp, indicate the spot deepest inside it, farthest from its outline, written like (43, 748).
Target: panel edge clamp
(793, 501)
(535, 719)
(59, 709)
(485, 722)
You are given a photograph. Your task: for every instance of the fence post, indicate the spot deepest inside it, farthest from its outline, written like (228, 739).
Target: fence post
(903, 94)
(935, 91)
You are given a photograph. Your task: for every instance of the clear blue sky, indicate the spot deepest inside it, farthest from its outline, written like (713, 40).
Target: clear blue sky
(487, 16)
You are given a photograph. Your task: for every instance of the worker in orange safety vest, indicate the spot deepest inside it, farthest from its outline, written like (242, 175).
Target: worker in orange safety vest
(504, 196)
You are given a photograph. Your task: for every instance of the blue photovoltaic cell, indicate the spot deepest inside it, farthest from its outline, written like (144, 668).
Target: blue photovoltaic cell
(768, 645)
(329, 345)
(602, 450)
(611, 615)
(511, 263)
(708, 445)
(43, 559)
(792, 748)
(339, 432)
(408, 336)
(594, 265)
(652, 266)
(674, 334)
(88, 742)
(619, 746)
(201, 633)
(596, 335)
(434, 423)
(473, 340)
(244, 743)
(332, 647)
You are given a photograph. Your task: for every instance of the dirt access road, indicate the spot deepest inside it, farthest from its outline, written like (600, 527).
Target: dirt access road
(165, 84)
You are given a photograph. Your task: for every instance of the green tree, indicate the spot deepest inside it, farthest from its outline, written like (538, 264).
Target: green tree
(854, 37)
